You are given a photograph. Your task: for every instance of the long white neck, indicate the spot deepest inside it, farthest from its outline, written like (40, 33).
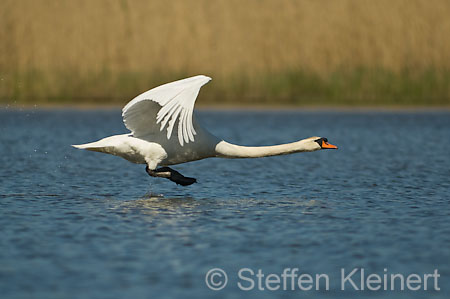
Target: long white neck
(228, 150)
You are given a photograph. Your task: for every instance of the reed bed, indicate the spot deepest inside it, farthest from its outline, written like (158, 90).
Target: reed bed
(257, 51)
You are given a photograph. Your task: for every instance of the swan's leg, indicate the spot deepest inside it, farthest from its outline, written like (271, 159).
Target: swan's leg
(173, 175)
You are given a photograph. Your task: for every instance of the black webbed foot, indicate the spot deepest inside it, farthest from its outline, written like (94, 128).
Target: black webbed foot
(173, 175)
(177, 177)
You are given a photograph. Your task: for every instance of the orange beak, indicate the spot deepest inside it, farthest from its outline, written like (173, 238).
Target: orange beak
(328, 145)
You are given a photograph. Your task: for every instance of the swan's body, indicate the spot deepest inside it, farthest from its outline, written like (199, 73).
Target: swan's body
(172, 104)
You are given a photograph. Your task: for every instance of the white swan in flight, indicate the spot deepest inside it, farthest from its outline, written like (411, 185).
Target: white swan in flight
(164, 132)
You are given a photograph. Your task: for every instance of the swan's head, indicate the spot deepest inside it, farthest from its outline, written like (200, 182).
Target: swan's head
(317, 143)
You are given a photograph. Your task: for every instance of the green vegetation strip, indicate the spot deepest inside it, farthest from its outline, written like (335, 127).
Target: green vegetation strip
(362, 87)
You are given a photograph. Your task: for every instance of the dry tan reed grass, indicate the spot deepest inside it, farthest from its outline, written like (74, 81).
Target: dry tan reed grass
(223, 38)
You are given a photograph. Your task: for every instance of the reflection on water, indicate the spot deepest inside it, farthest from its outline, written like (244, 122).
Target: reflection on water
(78, 224)
(151, 205)
(154, 205)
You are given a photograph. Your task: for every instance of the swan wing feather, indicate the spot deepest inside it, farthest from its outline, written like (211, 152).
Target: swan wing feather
(176, 104)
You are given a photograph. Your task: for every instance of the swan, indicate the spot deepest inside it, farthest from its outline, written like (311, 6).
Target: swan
(170, 107)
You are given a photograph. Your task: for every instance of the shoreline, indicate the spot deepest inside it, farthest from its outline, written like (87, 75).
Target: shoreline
(237, 107)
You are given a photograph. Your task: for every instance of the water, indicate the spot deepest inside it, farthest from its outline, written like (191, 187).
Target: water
(78, 224)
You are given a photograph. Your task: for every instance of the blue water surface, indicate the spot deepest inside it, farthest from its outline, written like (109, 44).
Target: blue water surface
(78, 224)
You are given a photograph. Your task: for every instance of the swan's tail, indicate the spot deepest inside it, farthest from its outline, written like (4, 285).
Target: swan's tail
(106, 145)
(97, 146)
(80, 146)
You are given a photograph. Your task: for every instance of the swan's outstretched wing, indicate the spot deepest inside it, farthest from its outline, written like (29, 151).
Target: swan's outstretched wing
(176, 102)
